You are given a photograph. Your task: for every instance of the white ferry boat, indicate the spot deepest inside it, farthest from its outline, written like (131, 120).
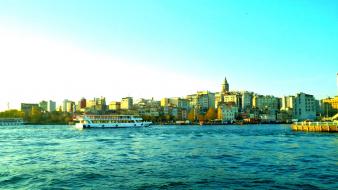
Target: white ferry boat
(110, 121)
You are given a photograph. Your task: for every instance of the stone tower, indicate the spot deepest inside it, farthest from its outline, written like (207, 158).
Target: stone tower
(225, 86)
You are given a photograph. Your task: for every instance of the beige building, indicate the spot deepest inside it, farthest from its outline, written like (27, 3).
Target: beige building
(98, 104)
(169, 102)
(333, 102)
(114, 106)
(233, 97)
(202, 101)
(288, 103)
(90, 103)
(127, 103)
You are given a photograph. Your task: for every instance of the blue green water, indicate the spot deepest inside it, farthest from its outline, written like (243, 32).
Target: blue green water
(167, 157)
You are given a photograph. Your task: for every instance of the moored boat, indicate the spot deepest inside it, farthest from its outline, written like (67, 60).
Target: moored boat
(110, 121)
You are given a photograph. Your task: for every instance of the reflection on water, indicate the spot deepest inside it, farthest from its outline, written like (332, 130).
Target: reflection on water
(180, 157)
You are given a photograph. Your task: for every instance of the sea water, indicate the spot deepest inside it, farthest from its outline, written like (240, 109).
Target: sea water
(167, 157)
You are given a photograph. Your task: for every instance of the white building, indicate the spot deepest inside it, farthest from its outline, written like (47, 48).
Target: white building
(51, 106)
(305, 107)
(68, 106)
(288, 103)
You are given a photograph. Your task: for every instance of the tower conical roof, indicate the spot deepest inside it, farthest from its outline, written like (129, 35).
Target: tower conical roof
(225, 80)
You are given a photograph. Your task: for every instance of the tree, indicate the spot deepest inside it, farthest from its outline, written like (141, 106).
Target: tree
(36, 115)
(211, 114)
(201, 117)
(12, 114)
(191, 115)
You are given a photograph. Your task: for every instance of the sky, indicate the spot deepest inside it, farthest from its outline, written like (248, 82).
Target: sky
(53, 50)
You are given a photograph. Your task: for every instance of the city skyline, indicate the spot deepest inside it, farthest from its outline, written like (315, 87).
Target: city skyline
(224, 89)
(144, 49)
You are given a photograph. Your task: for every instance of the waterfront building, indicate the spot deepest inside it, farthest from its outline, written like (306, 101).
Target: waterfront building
(268, 117)
(150, 103)
(27, 107)
(218, 99)
(246, 100)
(90, 104)
(127, 103)
(284, 116)
(305, 107)
(265, 103)
(205, 100)
(149, 111)
(168, 102)
(43, 105)
(233, 97)
(183, 103)
(227, 112)
(100, 104)
(176, 102)
(148, 107)
(177, 107)
(287, 103)
(329, 106)
(333, 102)
(96, 104)
(192, 100)
(201, 101)
(170, 112)
(68, 106)
(114, 105)
(51, 106)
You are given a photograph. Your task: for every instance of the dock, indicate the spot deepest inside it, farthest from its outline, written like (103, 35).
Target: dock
(11, 121)
(315, 126)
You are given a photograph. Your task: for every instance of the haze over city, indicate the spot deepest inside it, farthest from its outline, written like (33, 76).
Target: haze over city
(66, 49)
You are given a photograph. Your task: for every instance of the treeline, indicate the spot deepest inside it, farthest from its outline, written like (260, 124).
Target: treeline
(11, 114)
(37, 116)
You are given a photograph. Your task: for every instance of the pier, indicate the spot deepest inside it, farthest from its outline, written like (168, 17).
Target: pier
(11, 121)
(315, 126)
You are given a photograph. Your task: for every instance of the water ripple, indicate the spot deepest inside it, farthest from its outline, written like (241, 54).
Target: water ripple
(170, 157)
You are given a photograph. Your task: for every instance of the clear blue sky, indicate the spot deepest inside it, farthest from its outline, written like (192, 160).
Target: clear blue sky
(276, 47)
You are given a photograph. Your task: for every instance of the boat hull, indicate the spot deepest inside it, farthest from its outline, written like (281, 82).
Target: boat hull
(112, 125)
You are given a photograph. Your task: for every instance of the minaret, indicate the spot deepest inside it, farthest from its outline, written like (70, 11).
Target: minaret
(225, 86)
